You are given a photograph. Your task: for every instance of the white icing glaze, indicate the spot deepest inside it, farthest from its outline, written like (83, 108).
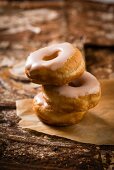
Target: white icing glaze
(39, 99)
(35, 60)
(89, 85)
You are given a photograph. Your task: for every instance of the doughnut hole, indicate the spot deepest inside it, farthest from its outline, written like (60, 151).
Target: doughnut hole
(75, 83)
(52, 56)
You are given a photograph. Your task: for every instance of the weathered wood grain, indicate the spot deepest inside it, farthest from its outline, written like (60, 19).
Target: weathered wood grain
(24, 149)
(35, 150)
(90, 20)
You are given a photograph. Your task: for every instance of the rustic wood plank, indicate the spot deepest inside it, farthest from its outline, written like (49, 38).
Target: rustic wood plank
(29, 149)
(26, 4)
(100, 61)
(7, 105)
(90, 20)
(19, 147)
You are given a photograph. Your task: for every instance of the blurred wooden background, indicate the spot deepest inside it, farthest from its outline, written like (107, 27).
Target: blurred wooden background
(26, 26)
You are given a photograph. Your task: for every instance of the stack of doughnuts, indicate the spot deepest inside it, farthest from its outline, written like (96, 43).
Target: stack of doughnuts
(67, 90)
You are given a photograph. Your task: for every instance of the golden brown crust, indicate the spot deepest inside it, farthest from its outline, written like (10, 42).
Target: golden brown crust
(52, 115)
(71, 69)
(55, 107)
(79, 104)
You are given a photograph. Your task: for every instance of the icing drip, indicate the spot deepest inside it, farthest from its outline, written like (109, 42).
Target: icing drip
(39, 99)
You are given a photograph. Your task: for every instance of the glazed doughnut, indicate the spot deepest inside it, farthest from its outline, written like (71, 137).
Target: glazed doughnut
(57, 64)
(80, 95)
(67, 91)
(52, 115)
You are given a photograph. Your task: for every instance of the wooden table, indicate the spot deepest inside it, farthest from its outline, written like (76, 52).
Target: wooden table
(82, 24)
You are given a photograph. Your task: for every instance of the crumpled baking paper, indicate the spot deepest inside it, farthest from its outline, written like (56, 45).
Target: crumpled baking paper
(97, 126)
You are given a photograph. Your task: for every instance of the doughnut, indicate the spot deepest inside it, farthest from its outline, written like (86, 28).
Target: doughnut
(56, 64)
(67, 91)
(80, 95)
(52, 115)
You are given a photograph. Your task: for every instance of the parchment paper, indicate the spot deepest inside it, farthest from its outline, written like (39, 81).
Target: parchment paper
(97, 126)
